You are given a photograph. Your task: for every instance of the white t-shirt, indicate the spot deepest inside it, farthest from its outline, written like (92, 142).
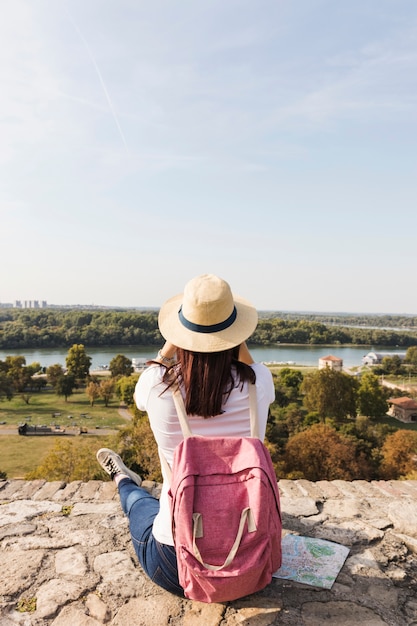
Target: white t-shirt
(233, 422)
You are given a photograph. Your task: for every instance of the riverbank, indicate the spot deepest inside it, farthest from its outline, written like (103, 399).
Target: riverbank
(299, 354)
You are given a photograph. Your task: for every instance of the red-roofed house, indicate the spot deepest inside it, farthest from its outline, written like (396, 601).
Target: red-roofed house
(403, 409)
(332, 362)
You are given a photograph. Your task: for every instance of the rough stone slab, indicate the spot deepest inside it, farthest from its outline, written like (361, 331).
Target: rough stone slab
(404, 517)
(288, 488)
(97, 508)
(347, 508)
(29, 489)
(75, 616)
(18, 570)
(366, 488)
(334, 532)
(22, 510)
(89, 490)
(364, 564)
(17, 530)
(390, 488)
(55, 594)
(70, 562)
(47, 491)
(346, 488)
(309, 489)
(68, 492)
(155, 611)
(199, 613)
(328, 489)
(379, 574)
(113, 565)
(412, 484)
(298, 507)
(11, 488)
(97, 608)
(404, 487)
(364, 533)
(339, 614)
(410, 542)
(108, 491)
(256, 612)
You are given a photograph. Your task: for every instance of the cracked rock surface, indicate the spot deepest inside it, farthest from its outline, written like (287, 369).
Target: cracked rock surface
(66, 560)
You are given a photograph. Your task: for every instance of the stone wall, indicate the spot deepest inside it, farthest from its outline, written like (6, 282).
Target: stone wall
(68, 547)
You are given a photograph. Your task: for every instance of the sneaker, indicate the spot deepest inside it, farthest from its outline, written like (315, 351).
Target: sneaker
(113, 465)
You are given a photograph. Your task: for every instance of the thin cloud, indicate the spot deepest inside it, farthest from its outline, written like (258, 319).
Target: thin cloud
(100, 77)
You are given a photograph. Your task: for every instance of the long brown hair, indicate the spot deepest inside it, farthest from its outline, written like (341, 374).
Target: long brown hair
(208, 378)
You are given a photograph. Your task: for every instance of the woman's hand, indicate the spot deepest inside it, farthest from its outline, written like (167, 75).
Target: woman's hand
(244, 354)
(166, 355)
(168, 350)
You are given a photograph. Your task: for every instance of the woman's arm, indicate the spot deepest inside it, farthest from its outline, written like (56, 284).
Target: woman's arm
(166, 354)
(244, 354)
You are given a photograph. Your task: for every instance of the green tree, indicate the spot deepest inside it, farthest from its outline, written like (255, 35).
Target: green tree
(93, 391)
(399, 454)
(392, 365)
(69, 461)
(330, 393)
(17, 372)
(125, 388)
(106, 389)
(78, 362)
(53, 373)
(138, 448)
(287, 386)
(120, 365)
(371, 396)
(411, 358)
(65, 386)
(6, 387)
(321, 453)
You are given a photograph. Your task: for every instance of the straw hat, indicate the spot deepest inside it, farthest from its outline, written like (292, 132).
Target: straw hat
(207, 317)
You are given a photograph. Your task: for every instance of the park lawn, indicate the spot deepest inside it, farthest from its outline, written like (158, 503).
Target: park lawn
(397, 424)
(20, 455)
(44, 405)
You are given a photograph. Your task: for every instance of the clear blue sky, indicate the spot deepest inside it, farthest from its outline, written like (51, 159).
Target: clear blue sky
(271, 142)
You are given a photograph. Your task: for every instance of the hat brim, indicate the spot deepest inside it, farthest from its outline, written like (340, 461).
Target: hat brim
(173, 331)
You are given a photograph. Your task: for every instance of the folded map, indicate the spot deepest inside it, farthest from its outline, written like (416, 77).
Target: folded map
(315, 562)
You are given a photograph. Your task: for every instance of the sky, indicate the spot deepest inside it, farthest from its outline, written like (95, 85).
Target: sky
(270, 142)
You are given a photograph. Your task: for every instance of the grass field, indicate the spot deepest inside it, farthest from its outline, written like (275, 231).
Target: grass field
(47, 408)
(19, 455)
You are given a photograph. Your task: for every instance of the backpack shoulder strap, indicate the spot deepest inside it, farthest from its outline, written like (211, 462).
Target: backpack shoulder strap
(253, 410)
(185, 426)
(182, 415)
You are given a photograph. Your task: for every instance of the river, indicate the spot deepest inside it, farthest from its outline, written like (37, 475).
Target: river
(291, 354)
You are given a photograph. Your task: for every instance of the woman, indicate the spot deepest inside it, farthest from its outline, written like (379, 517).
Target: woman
(205, 352)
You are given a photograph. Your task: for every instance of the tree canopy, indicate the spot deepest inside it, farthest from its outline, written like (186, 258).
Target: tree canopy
(78, 362)
(60, 328)
(330, 393)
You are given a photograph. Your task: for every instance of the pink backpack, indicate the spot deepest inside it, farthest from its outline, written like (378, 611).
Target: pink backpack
(225, 510)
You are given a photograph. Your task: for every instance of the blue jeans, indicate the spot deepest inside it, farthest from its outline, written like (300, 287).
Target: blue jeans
(158, 560)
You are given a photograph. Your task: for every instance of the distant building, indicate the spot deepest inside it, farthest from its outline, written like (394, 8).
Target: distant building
(30, 304)
(403, 409)
(375, 358)
(139, 364)
(332, 362)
